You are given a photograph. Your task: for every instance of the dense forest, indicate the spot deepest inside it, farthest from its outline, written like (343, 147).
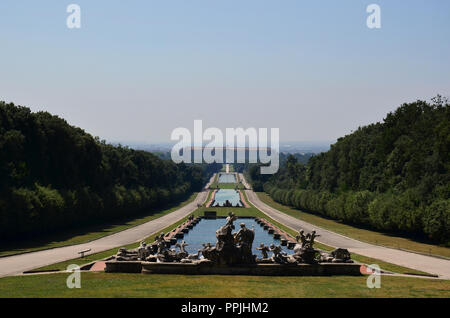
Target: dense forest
(392, 176)
(54, 176)
(251, 171)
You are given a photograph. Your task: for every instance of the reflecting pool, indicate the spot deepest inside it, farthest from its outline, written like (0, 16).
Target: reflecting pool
(205, 232)
(231, 195)
(227, 178)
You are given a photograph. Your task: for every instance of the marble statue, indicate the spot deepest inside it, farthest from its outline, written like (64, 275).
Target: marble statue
(181, 245)
(244, 240)
(301, 238)
(142, 251)
(304, 251)
(278, 255)
(341, 255)
(234, 248)
(231, 248)
(125, 255)
(264, 249)
(194, 256)
(230, 219)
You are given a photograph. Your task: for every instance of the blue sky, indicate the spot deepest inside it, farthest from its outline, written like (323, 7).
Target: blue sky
(138, 69)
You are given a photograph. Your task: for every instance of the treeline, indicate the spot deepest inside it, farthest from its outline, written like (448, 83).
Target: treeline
(251, 171)
(392, 176)
(54, 176)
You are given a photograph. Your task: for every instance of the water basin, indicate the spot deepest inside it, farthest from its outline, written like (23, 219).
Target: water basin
(231, 195)
(227, 178)
(205, 232)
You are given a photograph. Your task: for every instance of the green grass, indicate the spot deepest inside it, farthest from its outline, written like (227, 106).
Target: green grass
(192, 286)
(87, 234)
(240, 212)
(215, 182)
(210, 193)
(359, 233)
(98, 256)
(226, 186)
(140, 285)
(216, 185)
(254, 212)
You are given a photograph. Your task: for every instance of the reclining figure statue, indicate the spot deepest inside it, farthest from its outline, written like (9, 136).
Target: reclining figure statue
(126, 255)
(339, 255)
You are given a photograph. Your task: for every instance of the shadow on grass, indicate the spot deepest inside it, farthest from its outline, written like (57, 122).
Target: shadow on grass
(82, 232)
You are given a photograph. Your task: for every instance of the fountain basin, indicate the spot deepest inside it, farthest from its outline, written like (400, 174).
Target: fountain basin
(207, 268)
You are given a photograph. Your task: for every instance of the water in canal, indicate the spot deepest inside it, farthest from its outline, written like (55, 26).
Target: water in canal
(227, 178)
(205, 232)
(231, 195)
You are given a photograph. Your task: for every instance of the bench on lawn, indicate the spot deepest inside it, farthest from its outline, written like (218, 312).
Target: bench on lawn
(84, 251)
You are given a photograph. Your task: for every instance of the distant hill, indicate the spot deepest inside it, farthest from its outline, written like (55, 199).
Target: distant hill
(393, 176)
(305, 147)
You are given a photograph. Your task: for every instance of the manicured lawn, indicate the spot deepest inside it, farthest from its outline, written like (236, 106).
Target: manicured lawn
(87, 234)
(359, 233)
(141, 285)
(210, 193)
(226, 186)
(98, 256)
(215, 182)
(251, 212)
(216, 185)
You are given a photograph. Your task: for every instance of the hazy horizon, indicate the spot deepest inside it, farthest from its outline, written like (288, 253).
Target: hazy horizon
(284, 147)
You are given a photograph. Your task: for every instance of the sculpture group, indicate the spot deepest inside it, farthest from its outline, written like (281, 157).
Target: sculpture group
(231, 248)
(234, 249)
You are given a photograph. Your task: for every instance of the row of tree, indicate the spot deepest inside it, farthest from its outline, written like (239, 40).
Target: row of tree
(251, 171)
(54, 176)
(392, 176)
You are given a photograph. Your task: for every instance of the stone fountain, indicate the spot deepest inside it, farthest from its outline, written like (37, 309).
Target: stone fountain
(232, 254)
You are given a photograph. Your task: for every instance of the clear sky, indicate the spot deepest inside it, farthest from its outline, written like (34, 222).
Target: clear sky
(138, 69)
